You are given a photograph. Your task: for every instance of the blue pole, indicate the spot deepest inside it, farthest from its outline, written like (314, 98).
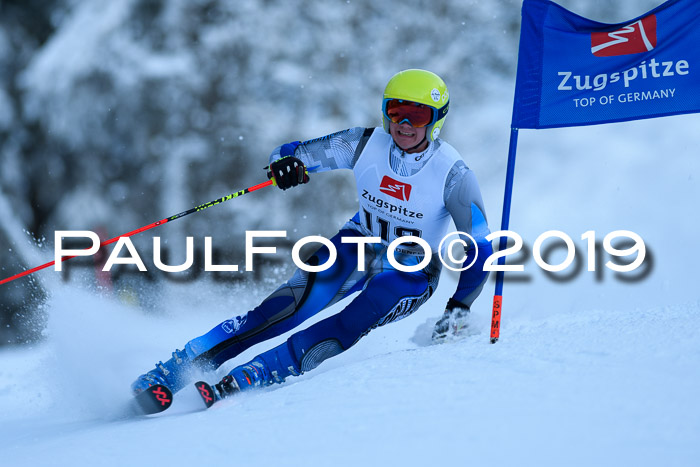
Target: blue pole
(498, 295)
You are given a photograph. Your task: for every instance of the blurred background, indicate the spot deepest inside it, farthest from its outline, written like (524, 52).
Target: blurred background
(116, 114)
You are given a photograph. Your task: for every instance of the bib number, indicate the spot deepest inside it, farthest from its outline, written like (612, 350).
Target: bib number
(385, 227)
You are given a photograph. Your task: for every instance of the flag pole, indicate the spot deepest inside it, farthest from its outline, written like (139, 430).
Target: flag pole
(498, 294)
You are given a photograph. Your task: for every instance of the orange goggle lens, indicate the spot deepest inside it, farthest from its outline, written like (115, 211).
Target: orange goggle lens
(418, 115)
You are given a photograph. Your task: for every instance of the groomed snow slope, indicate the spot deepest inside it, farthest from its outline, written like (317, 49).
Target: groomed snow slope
(594, 388)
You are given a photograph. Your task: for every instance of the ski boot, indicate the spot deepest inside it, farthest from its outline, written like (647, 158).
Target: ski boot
(242, 378)
(254, 374)
(172, 374)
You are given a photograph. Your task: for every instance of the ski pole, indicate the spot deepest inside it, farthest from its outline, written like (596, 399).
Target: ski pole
(201, 207)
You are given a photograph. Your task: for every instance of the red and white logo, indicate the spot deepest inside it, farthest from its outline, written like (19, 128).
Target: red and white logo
(394, 188)
(634, 38)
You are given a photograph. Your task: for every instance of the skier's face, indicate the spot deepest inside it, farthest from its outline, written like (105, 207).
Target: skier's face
(406, 136)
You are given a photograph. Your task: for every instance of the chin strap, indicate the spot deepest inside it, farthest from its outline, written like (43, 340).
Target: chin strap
(416, 146)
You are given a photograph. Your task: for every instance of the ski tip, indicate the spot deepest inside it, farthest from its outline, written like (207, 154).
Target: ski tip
(155, 399)
(206, 392)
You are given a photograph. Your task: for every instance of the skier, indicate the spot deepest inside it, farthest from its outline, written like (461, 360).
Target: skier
(410, 183)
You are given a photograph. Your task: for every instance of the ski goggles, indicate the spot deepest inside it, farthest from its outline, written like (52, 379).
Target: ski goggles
(418, 115)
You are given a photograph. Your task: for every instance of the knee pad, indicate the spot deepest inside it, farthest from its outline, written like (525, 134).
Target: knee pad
(320, 352)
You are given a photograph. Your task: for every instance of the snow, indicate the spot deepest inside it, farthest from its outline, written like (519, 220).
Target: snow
(593, 388)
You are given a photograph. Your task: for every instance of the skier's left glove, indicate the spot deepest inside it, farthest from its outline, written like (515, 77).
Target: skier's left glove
(287, 172)
(453, 322)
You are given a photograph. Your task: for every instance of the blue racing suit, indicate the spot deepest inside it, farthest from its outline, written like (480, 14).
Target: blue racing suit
(386, 293)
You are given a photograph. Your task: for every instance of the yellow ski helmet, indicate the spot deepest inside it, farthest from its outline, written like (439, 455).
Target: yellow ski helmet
(416, 87)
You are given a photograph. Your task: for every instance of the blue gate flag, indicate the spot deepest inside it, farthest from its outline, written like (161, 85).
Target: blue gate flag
(573, 71)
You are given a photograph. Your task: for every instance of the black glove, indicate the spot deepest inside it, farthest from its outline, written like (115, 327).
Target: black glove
(287, 172)
(453, 322)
